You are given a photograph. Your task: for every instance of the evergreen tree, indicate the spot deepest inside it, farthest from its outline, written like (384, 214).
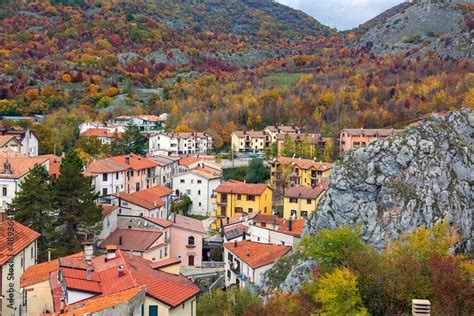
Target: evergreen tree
(75, 203)
(257, 172)
(33, 206)
(131, 142)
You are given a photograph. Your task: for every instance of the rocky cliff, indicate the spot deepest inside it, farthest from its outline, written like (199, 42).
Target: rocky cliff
(417, 177)
(442, 28)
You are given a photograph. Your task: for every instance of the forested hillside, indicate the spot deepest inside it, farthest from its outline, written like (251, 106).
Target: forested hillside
(239, 64)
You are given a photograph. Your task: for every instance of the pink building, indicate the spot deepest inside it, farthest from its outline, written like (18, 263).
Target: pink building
(141, 172)
(351, 138)
(186, 238)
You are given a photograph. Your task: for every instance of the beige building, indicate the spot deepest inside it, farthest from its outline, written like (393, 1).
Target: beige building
(351, 138)
(255, 141)
(18, 252)
(275, 131)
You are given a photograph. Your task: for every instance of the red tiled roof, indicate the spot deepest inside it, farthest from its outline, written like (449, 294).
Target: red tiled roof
(5, 139)
(149, 198)
(38, 273)
(22, 238)
(187, 223)
(370, 131)
(244, 228)
(269, 219)
(101, 302)
(105, 166)
(256, 254)
(132, 239)
(305, 163)
(189, 160)
(252, 134)
(19, 166)
(165, 263)
(237, 187)
(161, 222)
(134, 162)
(100, 132)
(107, 209)
(297, 227)
(304, 192)
(54, 165)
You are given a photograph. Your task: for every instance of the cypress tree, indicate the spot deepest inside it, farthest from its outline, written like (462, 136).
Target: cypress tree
(131, 142)
(33, 206)
(75, 199)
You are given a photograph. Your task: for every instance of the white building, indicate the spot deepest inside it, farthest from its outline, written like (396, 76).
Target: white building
(172, 144)
(199, 185)
(145, 123)
(284, 233)
(28, 141)
(13, 171)
(167, 168)
(105, 134)
(15, 258)
(247, 261)
(109, 177)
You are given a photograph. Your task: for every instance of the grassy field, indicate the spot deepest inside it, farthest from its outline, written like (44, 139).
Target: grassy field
(281, 79)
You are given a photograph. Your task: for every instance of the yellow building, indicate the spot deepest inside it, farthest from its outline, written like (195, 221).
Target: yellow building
(301, 201)
(256, 141)
(297, 171)
(234, 198)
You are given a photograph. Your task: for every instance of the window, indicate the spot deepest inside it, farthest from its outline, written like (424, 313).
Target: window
(200, 204)
(32, 252)
(304, 213)
(199, 181)
(308, 201)
(117, 176)
(190, 240)
(108, 223)
(230, 257)
(293, 200)
(199, 192)
(293, 212)
(4, 191)
(188, 192)
(153, 310)
(228, 274)
(161, 254)
(166, 251)
(181, 181)
(250, 197)
(104, 177)
(239, 197)
(137, 187)
(250, 209)
(238, 209)
(104, 191)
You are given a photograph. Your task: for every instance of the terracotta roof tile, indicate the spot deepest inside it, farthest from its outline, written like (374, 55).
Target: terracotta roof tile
(188, 223)
(54, 165)
(100, 132)
(132, 239)
(189, 160)
(18, 166)
(107, 209)
(149, 198)
(165, 263)
(161, 222)
(101, 302)
(238, 187)
(134, 162)
(22, 238)
(104, 166)
(257, 254)
(5, 139)
(297, 227)
(304, 192)
(304, 163)
(38, 273)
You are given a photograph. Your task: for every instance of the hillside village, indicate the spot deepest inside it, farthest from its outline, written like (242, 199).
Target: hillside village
(236, 158)
(170, 225)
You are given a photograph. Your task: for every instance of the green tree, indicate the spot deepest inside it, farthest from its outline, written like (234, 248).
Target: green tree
(33, 206)
(182, 206)
(338, 293)
(78, 214)
(328, 153)
(131, 142)
(289, 148)
(236, 301)
(92, 146)
(257, 172)
(332, 247)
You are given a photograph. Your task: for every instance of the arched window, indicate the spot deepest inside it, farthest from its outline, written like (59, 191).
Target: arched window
(190, 240)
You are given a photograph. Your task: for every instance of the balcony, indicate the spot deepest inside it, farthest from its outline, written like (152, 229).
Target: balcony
(222, 202)
(190, 246)
(234, 267)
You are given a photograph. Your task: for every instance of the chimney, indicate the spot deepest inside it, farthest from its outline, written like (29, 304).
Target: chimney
(244, 236)
(120, 240)
(7, 168)
(248, 252)
(88, 251)
(88, 274)
(121, 270)
(235, 244)
(127, 160)
(290, 225)
(227, 219)
(111, 252)
(61, 305)
(49, 255)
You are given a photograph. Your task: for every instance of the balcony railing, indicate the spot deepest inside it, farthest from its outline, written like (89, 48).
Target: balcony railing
(234, 267)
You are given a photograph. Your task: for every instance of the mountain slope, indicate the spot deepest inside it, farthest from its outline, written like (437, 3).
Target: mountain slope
(418, 177)
(417, 29)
